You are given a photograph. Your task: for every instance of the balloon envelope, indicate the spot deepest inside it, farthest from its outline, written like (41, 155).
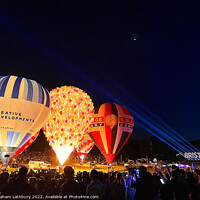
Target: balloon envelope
(111, 128)
(84, 146)
(24, 108)
(70, 118)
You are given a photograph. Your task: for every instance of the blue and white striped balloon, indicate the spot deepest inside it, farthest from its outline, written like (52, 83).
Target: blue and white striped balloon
(24, 109)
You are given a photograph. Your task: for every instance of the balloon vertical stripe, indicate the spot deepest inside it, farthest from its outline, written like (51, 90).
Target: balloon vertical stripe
(107, 128)
(19, 139)
(95, 136)
(3, 87)
(25, 89)
(30, 91)
(1, 81)
(115, 128)
(47, 98)
(15, 92)
(9, 90)
(103, 133)
(124, 138)
(36, 92)
(27, 136)
(41, 94)
(14, 139)
(9, 138)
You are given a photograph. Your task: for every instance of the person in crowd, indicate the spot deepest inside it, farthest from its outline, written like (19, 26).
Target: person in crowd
(120, 190)
(130, 190)
(70, 187)
(192, 186)
(100, 177)
(175, 188)
(106, 184)
(84, 182)
(32, 182)
(19, 186)
(111, 187)
(145, 189)
(41, 187)
(96, 187)
(4, 177)
(53, 189)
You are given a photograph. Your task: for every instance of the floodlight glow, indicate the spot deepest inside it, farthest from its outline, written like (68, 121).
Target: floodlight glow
(145, 113)
(159, 133)
(151, 132)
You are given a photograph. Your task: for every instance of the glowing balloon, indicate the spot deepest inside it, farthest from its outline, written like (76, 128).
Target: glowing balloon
(24, 108)
(84, 146)
(26, 145)
(70, 118)
(111, 128)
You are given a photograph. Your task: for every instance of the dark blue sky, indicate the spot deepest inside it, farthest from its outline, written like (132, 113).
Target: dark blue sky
(90, 44)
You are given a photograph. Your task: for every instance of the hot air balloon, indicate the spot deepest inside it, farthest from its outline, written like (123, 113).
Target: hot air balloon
(26, 145)
(111, 128)
(84, 146)
(70, 118)
(24, 108)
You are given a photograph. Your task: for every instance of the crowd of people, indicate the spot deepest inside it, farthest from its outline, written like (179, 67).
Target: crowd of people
(29, 155)
(47, 156)
(137, 184)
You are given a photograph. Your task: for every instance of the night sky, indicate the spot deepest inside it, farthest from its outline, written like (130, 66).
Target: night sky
(136, 50)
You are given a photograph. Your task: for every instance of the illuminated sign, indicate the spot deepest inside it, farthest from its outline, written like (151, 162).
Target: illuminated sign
(192, 155)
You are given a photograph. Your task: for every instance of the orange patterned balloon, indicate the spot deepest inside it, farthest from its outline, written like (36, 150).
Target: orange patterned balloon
(70, 118)
(84, 146)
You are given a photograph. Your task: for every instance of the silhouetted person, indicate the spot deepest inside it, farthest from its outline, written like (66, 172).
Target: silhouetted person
(3, 180)
(70, 187)
(32, 183)
(52, 189)
(112, 187)
(145, 189)
(175, 188)
(130, 190)
(106, 184)
(19, 185)
(119, 187)
(84, 182)
(193, 186)
(96, 187)
(41, 187)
